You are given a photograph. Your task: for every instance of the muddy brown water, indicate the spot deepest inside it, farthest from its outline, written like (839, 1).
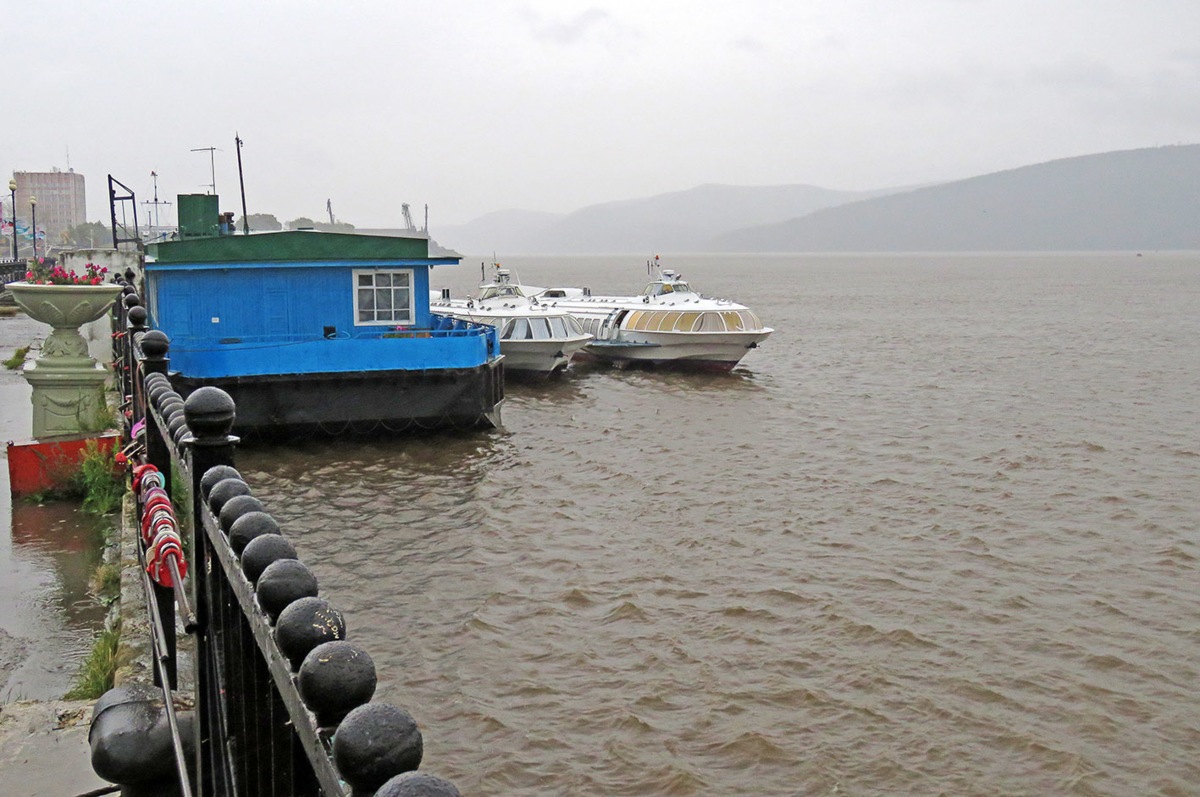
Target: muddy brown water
(939, 535)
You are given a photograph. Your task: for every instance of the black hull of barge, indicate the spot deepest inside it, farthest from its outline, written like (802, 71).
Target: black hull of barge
(361, 403)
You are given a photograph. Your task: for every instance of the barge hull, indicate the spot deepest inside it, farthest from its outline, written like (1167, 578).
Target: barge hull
(361, 402)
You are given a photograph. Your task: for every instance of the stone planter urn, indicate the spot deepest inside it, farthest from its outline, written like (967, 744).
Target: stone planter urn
(68, 385)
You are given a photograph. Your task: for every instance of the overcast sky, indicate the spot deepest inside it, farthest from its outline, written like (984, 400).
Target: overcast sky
(479, 106)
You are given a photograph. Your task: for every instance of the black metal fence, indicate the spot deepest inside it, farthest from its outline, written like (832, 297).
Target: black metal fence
(282, 698)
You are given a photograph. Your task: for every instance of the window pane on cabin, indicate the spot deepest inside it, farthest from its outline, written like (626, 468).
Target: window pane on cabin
(383, 299)
(686, 322)
(558, 328)
(383, 280)
(364, 279)
(366, 299)
(653, 321)
(711, 322)
(634, 319)
(520, 330)
(401, 279)
(541, 330)
(733, 321)
(400, 300)
(749, 320)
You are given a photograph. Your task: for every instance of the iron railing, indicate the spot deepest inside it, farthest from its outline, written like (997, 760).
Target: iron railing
(282, 700)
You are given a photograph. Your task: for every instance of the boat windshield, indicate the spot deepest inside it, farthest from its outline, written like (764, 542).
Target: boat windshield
(493, 291)
(660, 288)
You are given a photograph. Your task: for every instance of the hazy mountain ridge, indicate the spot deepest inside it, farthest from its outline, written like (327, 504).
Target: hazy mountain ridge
(1126, 200)
(677, 221)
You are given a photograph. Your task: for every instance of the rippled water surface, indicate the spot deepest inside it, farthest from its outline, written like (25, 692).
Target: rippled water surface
(937, 536)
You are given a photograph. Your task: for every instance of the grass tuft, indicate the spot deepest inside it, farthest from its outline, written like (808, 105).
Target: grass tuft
(96, 674)
(106, 582)
(17, 360)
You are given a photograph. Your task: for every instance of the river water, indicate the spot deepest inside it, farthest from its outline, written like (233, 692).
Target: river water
(939, 535)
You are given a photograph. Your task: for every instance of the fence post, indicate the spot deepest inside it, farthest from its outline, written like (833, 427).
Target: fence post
(154, 346)
(210, 413)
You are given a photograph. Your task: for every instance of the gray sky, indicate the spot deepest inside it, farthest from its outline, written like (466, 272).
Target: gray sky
(480, 106)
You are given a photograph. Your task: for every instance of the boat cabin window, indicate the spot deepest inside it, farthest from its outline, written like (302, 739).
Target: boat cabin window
(558, 327)
(540, 329)
(383, 297)
(519, 330)
(493, 291)
(554, 293)
(660, 288)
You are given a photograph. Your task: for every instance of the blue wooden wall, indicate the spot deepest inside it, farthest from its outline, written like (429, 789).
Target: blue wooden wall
(260, 300)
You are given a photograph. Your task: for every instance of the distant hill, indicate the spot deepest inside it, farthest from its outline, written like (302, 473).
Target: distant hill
(1129, 200)
(682, 221)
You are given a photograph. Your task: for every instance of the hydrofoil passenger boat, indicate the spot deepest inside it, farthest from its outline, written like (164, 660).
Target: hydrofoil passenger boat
(536, 338)
(668, 324)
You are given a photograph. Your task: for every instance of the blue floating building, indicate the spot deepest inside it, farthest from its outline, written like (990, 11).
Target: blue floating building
(318, 330)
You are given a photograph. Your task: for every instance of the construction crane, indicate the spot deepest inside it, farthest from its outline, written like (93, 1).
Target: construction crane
(408, 222)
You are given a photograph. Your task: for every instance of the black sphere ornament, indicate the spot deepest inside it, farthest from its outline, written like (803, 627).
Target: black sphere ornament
(236, 507)
(282, 583)
(418, 784)
(305, 624)
(223, 490)
(136, 316)
(131, 299)
(335, 678)
(262, 551)
(215, 474)
(155, 344)
(248, 526)
(375, 743)
(210, 412)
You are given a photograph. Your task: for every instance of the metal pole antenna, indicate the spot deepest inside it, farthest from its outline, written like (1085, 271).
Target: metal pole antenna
(242, 182)
(212, 163)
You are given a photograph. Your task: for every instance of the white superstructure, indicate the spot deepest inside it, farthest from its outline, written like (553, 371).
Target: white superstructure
(535, 337)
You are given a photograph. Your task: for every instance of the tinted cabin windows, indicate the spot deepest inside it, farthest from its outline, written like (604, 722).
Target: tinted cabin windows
(383, 297)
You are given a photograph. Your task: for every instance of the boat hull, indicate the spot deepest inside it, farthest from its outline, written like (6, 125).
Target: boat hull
(539, 357)
(362, 403)
(711, 351)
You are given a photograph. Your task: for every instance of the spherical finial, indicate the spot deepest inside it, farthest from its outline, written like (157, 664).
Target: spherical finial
(236, 507)
(137, 316)
(132, 300)
(335, 678)
(261, 551)
(248, 526)
(305, 624)
(223, 490)
(283, 582)
(417, 784)
(210, 412)
(215, 474)
(155, 344)
(376, 742)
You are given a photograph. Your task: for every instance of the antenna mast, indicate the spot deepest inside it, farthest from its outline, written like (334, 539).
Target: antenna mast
(329, 210)
(237, 140)
(212, 164)
(154, 204)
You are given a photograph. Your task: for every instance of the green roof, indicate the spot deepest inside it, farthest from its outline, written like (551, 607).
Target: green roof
(292, 246)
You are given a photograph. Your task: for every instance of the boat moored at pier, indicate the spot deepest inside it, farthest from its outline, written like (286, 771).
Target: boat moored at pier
(536, 338)
(668, 324)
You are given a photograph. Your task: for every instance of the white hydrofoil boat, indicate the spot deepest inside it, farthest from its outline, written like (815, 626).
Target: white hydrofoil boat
(535, 338)
(668, 324)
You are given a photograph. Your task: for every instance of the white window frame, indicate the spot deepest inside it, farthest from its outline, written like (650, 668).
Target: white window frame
(412, 282)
